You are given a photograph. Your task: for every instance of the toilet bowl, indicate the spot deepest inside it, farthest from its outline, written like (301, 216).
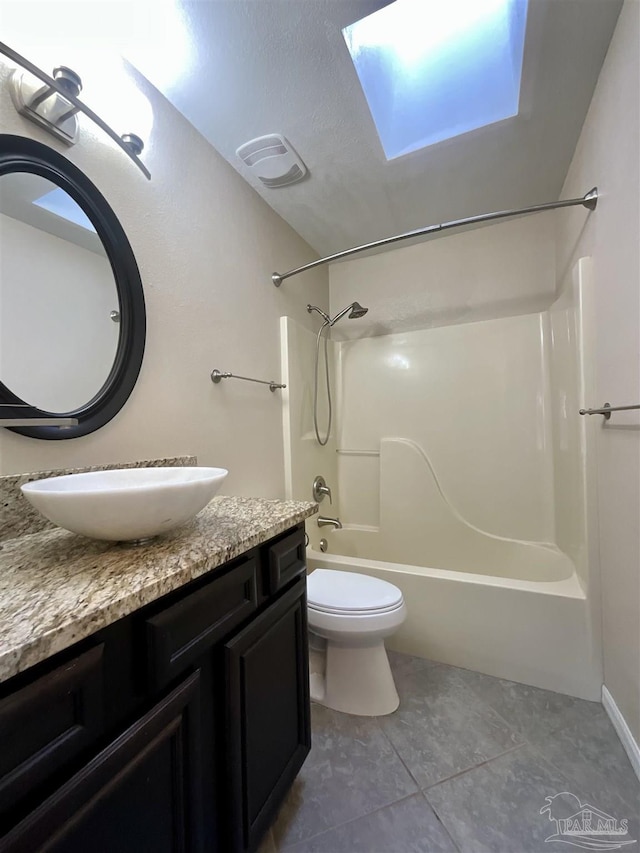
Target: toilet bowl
(352, 613)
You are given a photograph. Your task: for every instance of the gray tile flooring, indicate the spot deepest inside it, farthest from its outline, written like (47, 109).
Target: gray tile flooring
(465, 765)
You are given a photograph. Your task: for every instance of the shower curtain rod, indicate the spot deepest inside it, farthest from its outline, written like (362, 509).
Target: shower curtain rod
(589, 201)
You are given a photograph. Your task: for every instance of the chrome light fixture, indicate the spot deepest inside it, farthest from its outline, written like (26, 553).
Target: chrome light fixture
(55, 105)
(46, 106)
(133, 143)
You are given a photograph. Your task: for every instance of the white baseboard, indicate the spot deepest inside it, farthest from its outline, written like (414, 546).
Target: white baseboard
(622, 730)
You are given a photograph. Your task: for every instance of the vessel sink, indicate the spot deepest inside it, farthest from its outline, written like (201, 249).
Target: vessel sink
(126, 504)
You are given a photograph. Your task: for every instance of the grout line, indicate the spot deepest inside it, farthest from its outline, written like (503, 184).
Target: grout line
(419, 792)
(440, 821)
(486, 707)
(486, 702)
(474, 767)
(360, 817)
(467, 769)
(571, 777)
(376, 721)
(400, 758)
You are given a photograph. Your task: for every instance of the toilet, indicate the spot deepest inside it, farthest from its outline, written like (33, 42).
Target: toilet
(349, 616)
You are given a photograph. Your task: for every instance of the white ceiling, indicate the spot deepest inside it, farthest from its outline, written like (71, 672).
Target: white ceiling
(265, 66)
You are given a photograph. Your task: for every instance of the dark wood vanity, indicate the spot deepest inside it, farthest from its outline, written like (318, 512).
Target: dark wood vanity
(179, 727)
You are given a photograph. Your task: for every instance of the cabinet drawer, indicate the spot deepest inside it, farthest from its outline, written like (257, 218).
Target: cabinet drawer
(139, 794)
(44, 725)
(177, 636)
(286, 560)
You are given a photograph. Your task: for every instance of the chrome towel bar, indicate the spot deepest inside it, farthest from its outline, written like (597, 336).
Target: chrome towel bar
(217, 376)
(606, 410)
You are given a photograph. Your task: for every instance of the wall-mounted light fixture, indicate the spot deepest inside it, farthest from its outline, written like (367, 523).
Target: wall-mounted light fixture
(45, 106)
(55, 106)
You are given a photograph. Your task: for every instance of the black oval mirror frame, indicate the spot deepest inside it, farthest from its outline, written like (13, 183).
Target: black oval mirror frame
(19, 154)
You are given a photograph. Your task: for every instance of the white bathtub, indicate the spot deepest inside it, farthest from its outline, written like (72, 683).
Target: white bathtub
(505, 624)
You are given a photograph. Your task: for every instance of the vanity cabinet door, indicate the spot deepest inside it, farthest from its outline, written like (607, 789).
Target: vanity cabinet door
(286, 559)
(183, 632)
(268, 726)
(46, 725)
(139, 795)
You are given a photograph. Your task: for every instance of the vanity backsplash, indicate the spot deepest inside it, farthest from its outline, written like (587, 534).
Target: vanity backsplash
(19, 518)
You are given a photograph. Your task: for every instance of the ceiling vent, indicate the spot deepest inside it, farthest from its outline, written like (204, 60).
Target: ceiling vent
(273, 160)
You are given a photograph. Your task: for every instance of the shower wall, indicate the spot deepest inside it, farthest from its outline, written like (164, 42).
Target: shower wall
(472, 426)
(471, 404)
(571, 343)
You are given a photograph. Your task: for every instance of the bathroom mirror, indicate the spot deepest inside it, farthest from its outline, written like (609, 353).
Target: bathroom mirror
(72, 315)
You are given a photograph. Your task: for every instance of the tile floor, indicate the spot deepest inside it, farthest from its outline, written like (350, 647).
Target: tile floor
(464, 765)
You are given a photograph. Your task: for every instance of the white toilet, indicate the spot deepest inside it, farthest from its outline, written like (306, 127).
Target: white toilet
(353, 613)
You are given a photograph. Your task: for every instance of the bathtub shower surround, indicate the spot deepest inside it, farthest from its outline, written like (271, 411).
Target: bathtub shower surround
(462, 479)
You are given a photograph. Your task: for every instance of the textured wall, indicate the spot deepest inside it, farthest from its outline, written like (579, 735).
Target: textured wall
(495, 271)
(608, 155)
(206, 245)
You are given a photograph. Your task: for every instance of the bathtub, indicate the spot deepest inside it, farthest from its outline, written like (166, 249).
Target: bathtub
(524, 618)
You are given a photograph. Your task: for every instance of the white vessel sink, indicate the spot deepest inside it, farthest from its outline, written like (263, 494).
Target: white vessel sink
(126, 504)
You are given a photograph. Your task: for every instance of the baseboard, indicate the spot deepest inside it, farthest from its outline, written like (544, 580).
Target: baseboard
(622, 730)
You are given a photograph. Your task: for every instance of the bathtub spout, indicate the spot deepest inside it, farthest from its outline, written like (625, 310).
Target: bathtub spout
(331, 522)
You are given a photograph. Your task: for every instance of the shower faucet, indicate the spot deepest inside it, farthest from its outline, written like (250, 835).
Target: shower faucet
(320, 489)
(329, 522)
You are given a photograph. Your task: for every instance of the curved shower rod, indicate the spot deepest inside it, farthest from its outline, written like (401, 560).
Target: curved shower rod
(589, 200)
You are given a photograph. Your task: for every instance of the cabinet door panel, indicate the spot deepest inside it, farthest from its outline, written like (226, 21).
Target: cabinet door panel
(139, 795)
(287, 558)
(46, 724)
(268, 726)
(178, 635)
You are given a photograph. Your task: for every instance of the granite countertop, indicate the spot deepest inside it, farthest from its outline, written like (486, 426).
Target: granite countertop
(18, 517)
(57, 588)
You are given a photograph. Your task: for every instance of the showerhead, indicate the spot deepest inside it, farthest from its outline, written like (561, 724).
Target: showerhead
(357, 311)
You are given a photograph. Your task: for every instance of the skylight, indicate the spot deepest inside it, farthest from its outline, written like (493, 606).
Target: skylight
(434, 69)
(58, 202)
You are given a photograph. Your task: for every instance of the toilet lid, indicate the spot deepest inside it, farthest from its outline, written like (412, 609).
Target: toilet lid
(348, 592)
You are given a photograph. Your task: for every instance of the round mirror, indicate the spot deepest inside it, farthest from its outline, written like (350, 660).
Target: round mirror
(72, 317)
(57, 297)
